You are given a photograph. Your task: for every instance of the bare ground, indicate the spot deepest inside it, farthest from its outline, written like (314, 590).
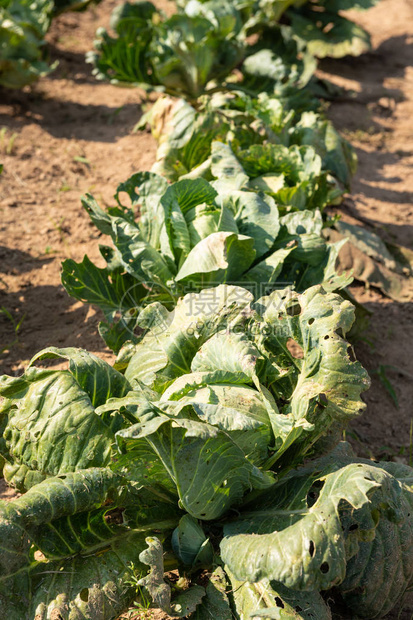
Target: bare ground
(379, 124)
(75, 136)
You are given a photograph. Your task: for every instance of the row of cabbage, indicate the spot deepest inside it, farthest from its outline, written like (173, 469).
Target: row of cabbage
(24, 23)
(254, 162)
(240, 110)
(212, 446)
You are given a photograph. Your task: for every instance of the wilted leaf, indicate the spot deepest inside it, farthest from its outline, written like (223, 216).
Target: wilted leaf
(368, 259)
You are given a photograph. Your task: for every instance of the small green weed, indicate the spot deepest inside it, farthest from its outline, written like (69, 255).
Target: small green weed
(381, 372)
(141, 606)
(16, 327)
(407, 451)
(82, 160)
(63, 231)
(65, 187)
(7, 141)
(111, 117)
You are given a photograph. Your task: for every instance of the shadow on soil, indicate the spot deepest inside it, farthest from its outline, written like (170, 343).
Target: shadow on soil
(362, 120)
(378, 161)
(68, 119)
(72, 65)
(17, 261)
(390, 59)
(354, 111)
(390, 232)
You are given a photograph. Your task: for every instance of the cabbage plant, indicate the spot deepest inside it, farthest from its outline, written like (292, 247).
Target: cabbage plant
(181, 55)
(212, 414)
(23, 25)
(190, 235)
(292, 176)
(263, 124)
(198, 49)
(318, 25)
(326, 32)
(196, 52)
(297, 158)
(282, 354)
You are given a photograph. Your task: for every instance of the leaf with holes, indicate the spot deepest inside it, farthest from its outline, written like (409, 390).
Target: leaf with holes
(329, 34)
(275, 374)
(268, 599)
(48, 421)
(331, 523)
(67, 544)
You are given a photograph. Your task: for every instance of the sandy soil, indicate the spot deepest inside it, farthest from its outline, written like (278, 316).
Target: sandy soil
(379, 124)
(74, 135)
